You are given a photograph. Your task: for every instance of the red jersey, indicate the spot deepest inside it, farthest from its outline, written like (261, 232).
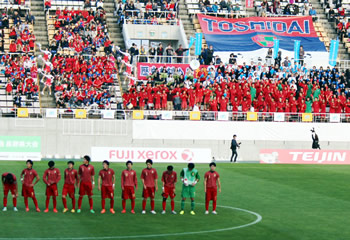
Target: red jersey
(129, 178)
(70, 176)
(52, 176)
(28, 176)
(211, 178)
(169, 179)
(5, 174)
(107, 177)
(86, 172)
(149, 175)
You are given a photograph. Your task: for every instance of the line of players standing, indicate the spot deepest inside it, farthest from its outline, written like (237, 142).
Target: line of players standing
(84, 180)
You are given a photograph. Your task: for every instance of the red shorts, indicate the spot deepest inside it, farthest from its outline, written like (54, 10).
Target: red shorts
(128, 193)
(68, 189)
(107, 192)
(211, 194)
(51, 190)
(148, 192)
(164, 105)
(85, 189)
(169, 192)
(9, 187)
(28, 191)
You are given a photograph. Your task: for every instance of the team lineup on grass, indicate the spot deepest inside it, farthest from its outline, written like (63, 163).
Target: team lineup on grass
(84, 180)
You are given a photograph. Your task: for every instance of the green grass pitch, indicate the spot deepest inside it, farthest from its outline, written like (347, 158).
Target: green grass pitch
(295, 201)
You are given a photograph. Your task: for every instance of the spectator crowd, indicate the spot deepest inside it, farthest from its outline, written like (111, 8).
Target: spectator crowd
(19, 24)
(147, 12)
(81, 30)
(290, 88)
(21, 73)
(81, 81)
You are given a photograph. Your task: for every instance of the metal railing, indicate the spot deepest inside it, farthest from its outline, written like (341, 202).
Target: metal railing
(122, 114)
(226, 14)
(173, 59)
(150, 21)
(8, 4)
(344, 64)
(140, 13)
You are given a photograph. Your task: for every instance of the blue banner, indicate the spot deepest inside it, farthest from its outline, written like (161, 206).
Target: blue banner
(198, 48)
(276, 46)
(192, 41)
(333, 52)
(296, 50)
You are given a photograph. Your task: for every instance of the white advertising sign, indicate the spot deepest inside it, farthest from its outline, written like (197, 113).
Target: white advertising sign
(223, 116)
(334, 117)
(159, 155)
(167, 115)
(278, 117)
(108, 114)
(51, 113)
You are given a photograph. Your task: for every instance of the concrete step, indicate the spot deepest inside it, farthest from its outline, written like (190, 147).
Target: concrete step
(108, 4)
(37, 12)
(37, 4)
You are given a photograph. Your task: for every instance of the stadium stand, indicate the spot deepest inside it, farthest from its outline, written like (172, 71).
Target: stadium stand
(79, 65)
(83, 60)
(328, 28)
(338, 16)
(17, 30)
(212, 89)
(91, 80)
(250, 88)
(19, 83)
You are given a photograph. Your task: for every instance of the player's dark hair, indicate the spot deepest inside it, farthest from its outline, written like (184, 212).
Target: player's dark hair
(87, 158)
(129, 162)
(234, 135)
(170, 168)
(190, 166)
(51, 164)
(29, 161)
(212, 164)
(9, 179)
(70, 162)
(149, 161)
(106, 162)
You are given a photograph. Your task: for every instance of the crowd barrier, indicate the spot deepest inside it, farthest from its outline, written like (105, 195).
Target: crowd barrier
(122, 114)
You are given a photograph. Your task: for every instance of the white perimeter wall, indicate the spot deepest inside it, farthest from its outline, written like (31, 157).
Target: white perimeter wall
(254, 131)
(76, 137)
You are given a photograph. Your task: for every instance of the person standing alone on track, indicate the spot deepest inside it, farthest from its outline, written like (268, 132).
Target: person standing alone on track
(234, 146)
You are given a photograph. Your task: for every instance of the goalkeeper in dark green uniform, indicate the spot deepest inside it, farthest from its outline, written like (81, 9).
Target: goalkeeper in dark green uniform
(189, 177)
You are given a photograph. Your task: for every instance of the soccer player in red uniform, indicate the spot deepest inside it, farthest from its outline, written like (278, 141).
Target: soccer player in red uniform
(211, 183)
(107, 177)
(27, 177)
(86, 182)
(70, 182)
(169, 179)
(51, 177)
(9, 183)
(149, 178)
(129, 183)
